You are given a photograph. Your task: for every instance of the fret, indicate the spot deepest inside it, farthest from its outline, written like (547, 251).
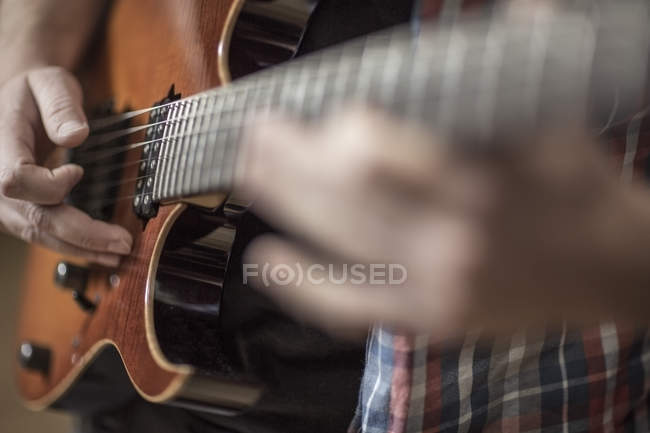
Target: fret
(204, 140)
(316, 92)
(194, 130)
(301, 88)
(211, 141)
(223, 136)
(186, 149)
(451, 80)
(227, 155)
(390, 73)
(367, 68)
(174, 149)
(418, 83)
(331, 97)
(492, 64)
(252, 107)
(445, 75)
(156, 147)
(264, 98)
(163, 161)
(212, 104)
(537, 58)
(342, 78)
(287, 86)
(277, 89)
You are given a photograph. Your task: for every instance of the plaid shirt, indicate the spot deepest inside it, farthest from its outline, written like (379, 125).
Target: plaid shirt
(587, 380)
(592, 380)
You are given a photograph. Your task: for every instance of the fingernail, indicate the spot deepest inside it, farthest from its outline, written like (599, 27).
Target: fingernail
(120, 247)
(71, 127)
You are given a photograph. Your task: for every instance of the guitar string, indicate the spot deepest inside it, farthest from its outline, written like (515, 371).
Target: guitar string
(76, 193)
(85, 190)
(97, 140)
(105, 203)
(218, 129)
(307, 69)
(244, 87)
(399, 38)
(110, 152)
(351, 48)
(177, 155)
(108, 170)
(180, 104)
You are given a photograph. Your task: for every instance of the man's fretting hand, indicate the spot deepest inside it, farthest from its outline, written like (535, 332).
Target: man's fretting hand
(540, 235)
(39, 110)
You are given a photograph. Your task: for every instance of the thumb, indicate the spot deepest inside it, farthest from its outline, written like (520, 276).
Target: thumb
(59, 98)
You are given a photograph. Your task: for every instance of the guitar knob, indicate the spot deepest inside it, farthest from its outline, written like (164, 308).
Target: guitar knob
(84, 303)
(74, 278)
(34, 357)
(71, 277)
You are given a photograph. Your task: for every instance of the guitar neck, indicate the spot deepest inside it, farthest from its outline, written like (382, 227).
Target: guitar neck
(476, 82)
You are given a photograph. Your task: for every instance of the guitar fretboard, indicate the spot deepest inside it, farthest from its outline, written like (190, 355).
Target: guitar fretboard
(479, 81)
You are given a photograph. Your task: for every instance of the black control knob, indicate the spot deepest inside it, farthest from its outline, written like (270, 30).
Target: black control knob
(74, 278)
(71, 277)
(34, 357)
(83, 302)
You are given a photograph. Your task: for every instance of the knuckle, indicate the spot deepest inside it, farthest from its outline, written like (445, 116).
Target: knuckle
(9, 183)
(36, 217)
(88, 243)
(30, 234)
(363, 160)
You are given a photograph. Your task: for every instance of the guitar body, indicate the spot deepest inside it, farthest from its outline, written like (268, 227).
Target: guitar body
(141, 311)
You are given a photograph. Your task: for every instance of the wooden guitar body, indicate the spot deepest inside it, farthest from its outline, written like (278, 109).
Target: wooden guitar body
(179, 262)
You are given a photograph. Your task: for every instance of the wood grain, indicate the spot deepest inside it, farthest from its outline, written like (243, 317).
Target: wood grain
(148, 45)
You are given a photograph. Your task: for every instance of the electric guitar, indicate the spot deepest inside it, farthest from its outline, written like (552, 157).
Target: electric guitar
(164, 171)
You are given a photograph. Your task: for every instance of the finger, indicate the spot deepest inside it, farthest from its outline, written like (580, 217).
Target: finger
(262, 150)
(332, 306)
(74, 227)
(53, 243)
(59, 99)
(30, 182)
(320, 202)
(20, 176)
(383, 147)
